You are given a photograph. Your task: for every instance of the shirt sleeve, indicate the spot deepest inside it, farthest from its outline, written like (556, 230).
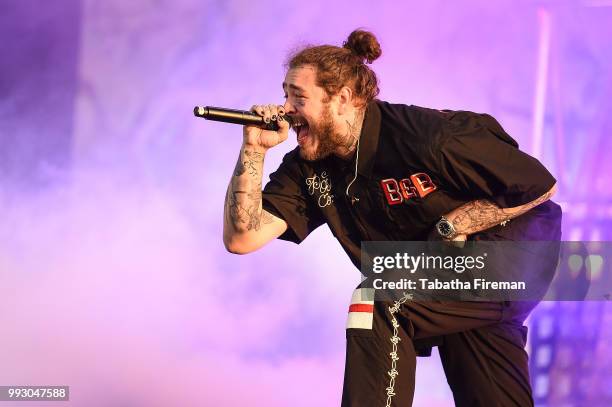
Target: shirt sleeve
(285, 197)
(480, 161)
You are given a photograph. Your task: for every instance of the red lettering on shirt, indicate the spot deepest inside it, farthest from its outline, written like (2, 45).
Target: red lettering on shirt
(408, 190)
(417, 185)
(423, 184)
(391, 190)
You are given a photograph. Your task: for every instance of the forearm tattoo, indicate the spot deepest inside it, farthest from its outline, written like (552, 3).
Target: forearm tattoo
(243, 211)
(479, 215)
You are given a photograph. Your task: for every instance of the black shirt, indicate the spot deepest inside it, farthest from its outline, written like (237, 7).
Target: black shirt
(413, 165)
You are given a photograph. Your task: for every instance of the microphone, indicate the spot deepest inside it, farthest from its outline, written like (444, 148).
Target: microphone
(243, 117)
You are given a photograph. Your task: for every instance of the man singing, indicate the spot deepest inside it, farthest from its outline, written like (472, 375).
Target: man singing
(375, 171)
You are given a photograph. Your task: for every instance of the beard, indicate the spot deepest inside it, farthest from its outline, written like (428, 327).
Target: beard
(328, 138)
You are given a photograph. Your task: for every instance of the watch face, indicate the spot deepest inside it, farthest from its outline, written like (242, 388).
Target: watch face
(444, 228)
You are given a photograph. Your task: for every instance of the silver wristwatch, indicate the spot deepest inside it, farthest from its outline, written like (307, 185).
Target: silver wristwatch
(446, 229)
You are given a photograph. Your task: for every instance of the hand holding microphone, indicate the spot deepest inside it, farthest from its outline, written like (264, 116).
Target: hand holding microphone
(264, 125)
(267, 138)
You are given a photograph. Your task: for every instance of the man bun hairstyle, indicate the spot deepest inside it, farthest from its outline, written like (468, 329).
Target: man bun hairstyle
(343, 66)
(363, 44)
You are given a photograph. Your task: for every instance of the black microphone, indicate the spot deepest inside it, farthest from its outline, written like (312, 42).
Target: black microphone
(243, 117)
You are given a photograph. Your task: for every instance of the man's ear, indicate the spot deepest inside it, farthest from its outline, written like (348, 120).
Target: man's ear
(345, 100)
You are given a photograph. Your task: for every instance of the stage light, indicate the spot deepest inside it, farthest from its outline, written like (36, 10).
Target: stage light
(575, 264)
(594, 264)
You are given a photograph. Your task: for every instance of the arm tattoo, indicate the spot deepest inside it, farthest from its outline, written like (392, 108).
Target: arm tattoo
(253, 161)
(479, 215)
(239, 170)
(243, 211)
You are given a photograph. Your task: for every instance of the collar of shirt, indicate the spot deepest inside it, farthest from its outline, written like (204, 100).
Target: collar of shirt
(368, 139)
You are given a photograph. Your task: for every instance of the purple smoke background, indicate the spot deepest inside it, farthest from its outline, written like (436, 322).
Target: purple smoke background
(113, 275)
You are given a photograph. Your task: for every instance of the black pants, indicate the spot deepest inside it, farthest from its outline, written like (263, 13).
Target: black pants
(481, 346)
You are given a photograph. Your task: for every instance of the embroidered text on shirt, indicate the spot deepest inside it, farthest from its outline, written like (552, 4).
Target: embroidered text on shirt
(322, 185)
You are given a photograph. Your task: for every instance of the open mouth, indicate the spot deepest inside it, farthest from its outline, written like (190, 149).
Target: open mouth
(300, 126)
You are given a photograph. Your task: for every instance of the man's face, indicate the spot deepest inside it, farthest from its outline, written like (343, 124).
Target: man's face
(313, 117)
